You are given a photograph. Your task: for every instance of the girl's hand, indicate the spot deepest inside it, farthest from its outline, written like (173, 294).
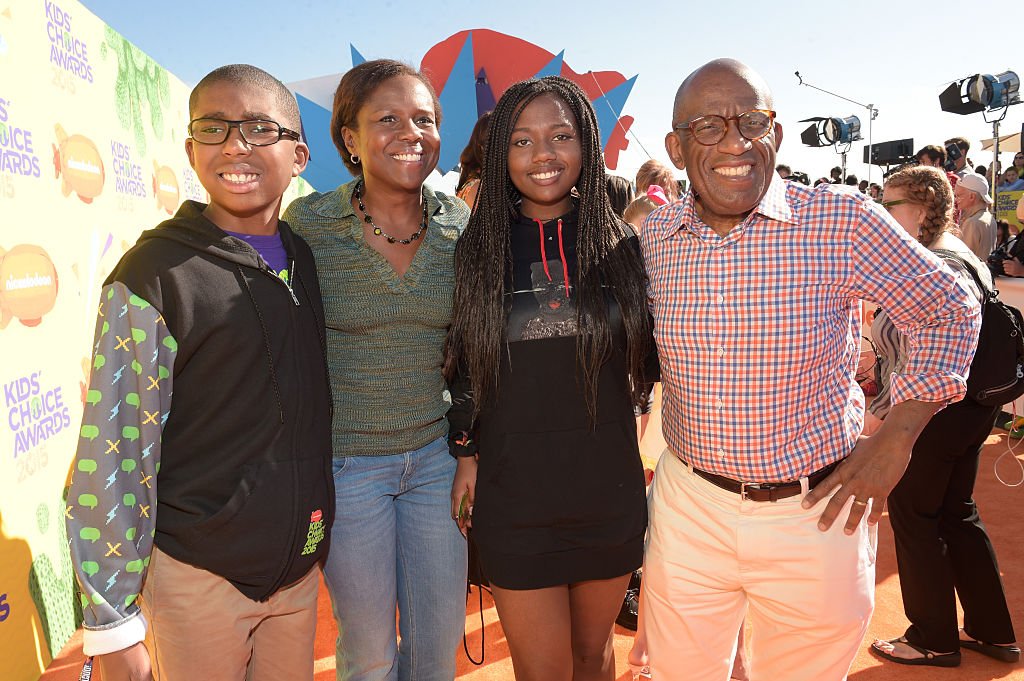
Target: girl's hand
(464, 493)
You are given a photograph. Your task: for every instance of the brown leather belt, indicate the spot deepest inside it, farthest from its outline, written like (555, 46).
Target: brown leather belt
(766, 491)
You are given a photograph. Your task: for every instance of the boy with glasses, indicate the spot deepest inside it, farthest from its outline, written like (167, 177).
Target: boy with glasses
(197, 520)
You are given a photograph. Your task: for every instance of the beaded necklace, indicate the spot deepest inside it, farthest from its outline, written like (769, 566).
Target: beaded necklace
(357, 192)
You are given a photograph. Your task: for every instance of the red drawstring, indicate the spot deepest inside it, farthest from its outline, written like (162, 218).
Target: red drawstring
(543, 253)
(561, 253)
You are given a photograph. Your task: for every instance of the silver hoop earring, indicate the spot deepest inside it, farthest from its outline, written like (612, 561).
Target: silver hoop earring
(354, 159)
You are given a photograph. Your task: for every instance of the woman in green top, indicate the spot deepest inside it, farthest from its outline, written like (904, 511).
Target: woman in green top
(384, 246)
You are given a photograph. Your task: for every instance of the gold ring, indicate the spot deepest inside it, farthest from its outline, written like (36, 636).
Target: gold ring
(860, 501)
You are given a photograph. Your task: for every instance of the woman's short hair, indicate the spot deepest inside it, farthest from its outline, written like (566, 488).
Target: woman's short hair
(356, 86)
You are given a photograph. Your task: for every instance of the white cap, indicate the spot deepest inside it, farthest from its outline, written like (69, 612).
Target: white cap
(977, 184)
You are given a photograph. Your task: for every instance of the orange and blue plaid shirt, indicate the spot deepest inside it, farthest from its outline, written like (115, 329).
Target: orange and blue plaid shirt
(759, 331)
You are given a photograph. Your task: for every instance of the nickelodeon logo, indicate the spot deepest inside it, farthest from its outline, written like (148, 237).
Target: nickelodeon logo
(28, 285)
(165, 188)
(77, 161)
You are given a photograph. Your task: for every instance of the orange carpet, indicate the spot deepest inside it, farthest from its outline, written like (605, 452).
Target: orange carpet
(1002, 508)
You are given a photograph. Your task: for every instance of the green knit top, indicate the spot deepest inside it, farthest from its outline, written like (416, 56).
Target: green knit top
(385, 333)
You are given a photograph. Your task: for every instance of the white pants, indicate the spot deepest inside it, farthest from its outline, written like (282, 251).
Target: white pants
(711, 557)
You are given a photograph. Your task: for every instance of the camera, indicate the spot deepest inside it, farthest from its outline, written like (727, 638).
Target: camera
(953, 154)
(995, 263)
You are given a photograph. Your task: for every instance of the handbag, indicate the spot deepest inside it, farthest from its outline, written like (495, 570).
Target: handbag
(629, 610)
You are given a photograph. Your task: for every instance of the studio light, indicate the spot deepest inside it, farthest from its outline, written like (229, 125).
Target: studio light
(824, 132)
(981, 92)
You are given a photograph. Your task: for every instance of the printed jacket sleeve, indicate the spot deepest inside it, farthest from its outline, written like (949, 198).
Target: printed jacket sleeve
(938, 316)
(112, 500)
(461, 426)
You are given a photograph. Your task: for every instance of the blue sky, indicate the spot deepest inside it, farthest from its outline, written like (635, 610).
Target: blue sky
(896, 55)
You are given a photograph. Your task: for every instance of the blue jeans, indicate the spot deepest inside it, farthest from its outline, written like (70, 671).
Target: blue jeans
(394, 544)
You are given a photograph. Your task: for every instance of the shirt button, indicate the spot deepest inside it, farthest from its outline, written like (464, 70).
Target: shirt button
(719, 404)
(721, 352)
(721, 453)
(721, 297)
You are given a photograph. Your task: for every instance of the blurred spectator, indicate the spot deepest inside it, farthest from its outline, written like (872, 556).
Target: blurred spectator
(638, 210)
(875, 191)
(657, 173)
(471, 160)
(931, 155)
(1002, 233)
(1018, 163)
(836, 174)
(977, 224)
(620, 192)
(1011, 180)
(863, 186)
(851, 180)
(996, 173)
(821, 180)
(784, 171)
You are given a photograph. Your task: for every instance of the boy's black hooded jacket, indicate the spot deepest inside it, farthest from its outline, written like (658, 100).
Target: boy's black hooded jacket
(245, 488)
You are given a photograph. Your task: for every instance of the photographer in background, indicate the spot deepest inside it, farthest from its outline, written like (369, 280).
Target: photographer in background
(956, 156)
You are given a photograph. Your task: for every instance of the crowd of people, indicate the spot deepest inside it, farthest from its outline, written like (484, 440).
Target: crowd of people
(359, 385)
(992, 240)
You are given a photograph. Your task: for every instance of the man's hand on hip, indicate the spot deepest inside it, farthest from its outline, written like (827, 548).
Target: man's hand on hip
(873, 468)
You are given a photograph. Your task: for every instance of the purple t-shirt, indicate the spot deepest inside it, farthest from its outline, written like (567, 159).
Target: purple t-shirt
(270, 248)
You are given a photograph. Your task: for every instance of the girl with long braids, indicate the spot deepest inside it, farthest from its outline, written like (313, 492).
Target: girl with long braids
(549, 353)
(942, 549)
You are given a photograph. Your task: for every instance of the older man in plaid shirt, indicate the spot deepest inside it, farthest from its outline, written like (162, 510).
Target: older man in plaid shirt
(755, 286)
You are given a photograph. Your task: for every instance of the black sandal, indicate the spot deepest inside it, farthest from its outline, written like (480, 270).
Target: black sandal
(1004, 653)
(928, 658)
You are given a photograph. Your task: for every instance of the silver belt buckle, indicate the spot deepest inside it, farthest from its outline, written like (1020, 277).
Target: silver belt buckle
(751, 485)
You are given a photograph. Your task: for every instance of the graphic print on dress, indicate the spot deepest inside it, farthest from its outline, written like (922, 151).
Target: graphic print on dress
(546, 310)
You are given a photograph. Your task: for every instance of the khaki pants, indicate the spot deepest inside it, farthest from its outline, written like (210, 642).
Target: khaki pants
(202, 627)
(713, 558)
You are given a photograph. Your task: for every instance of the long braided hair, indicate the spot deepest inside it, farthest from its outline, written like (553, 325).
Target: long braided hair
(483, 259)
(928, 187)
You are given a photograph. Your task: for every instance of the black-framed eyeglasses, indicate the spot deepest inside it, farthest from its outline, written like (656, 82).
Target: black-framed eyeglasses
(888, 205)
(256, 132)
(710, 130)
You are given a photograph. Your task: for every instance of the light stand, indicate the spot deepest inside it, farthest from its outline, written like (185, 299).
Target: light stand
(995, 156)
(872, 115)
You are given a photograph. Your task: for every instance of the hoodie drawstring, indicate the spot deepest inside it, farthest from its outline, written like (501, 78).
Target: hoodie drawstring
(266, 341)
(561, 254)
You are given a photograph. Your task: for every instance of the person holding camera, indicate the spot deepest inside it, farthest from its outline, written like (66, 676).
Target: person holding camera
(956, 156)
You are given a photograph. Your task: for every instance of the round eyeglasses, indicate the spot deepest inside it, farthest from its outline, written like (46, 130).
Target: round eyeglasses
(255, 132)
(710, 130)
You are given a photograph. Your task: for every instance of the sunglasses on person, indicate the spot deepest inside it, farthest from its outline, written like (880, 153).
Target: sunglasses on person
(888, 205)
(710, 130)
(255, 132)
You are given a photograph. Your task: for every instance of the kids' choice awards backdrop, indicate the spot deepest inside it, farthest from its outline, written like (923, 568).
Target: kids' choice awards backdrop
(91, 153)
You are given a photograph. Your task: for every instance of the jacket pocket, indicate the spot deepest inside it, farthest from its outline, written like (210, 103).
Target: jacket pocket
(263, 525)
